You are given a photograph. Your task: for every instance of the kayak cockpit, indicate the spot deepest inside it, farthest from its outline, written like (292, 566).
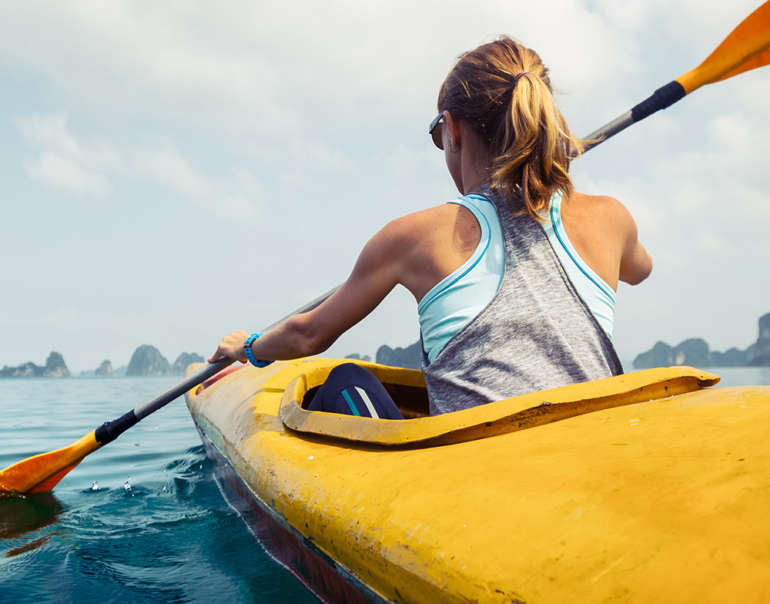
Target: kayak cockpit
(407, 388)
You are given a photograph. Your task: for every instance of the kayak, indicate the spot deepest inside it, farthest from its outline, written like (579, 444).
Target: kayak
(649, 486)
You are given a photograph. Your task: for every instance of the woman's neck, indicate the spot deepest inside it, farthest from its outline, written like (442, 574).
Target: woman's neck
(475, 162)
(471, 184)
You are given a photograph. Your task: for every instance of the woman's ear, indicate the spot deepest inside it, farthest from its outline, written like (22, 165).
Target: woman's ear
(452, 133)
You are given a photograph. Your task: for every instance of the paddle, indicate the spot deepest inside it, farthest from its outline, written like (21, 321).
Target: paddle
(39, 474)
(747, 47)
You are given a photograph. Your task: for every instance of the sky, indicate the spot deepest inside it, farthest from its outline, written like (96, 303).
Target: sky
(174, 171)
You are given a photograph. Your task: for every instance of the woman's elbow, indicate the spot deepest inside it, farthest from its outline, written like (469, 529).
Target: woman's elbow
(639, 272)
(646, 268)
(306, 339)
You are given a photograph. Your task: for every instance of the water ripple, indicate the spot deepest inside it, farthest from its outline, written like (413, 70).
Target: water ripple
(169, 538)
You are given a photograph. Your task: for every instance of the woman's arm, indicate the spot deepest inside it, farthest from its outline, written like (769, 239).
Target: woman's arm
(376, 272)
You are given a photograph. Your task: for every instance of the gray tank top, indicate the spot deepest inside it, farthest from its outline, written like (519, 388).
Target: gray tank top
(536, 332)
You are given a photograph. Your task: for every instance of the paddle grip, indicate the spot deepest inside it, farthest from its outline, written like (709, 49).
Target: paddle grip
(109, 431)
(660, 99)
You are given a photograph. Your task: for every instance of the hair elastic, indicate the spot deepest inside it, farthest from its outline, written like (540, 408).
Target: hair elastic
(517, 76)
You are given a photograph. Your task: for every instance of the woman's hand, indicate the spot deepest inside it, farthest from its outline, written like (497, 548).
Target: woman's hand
(231, 347)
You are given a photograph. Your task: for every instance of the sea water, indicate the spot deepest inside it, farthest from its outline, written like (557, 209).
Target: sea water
(140, 520)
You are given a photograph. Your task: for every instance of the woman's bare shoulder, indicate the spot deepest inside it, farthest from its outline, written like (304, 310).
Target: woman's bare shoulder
(431, 214)
(405, 239)
(597, 202)
(603, 211)
(422, 224)
(604, 224)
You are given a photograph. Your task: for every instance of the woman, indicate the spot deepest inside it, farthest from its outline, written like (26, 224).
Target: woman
(515, 280)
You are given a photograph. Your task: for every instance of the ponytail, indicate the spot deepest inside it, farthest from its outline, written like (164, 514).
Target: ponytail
(502, 90)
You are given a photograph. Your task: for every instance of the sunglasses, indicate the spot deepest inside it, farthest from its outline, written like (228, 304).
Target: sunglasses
(435, 132)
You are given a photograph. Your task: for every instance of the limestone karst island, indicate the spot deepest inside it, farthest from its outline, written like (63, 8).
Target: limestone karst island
(696, 352)
(145, 361)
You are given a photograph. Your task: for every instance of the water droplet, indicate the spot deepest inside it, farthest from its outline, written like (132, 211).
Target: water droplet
(94, 486)
(127, 484)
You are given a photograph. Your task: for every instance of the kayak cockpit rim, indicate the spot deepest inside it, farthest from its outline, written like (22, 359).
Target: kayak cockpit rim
(500, 417)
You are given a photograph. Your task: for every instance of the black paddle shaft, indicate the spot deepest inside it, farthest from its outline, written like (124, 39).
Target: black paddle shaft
(660, 99)
(109, 431)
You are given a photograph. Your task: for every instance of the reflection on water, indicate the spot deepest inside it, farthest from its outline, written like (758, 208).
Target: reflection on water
(22, 514)
(34, 544)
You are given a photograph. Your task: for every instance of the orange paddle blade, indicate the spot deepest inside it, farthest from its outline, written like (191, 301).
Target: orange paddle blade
(747, 47)
(41, 473)
(49, 483)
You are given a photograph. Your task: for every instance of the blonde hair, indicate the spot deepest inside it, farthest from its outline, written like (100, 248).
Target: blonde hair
(502, 90)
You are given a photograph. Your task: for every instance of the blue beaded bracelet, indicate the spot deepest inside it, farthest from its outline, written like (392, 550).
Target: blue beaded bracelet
(250, 355)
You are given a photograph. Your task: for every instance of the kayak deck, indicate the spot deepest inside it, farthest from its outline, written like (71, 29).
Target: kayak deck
(407, 388)
(610, 500)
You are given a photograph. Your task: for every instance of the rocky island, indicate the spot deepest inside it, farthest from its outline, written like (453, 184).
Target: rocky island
(408, 356)
(696, 352)
(54, 367)
(104, 370)
(183, 360)
(148, 361)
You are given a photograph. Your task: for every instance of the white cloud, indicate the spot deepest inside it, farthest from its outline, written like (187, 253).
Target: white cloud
(66, 162)
(276, 68)
(53, 131)
(64, 174)
(49, 130)
(167, 166)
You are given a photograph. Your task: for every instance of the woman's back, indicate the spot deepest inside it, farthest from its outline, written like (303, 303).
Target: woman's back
(535, 333)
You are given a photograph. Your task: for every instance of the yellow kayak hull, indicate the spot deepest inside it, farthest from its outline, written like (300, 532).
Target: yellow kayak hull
(581, 493)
